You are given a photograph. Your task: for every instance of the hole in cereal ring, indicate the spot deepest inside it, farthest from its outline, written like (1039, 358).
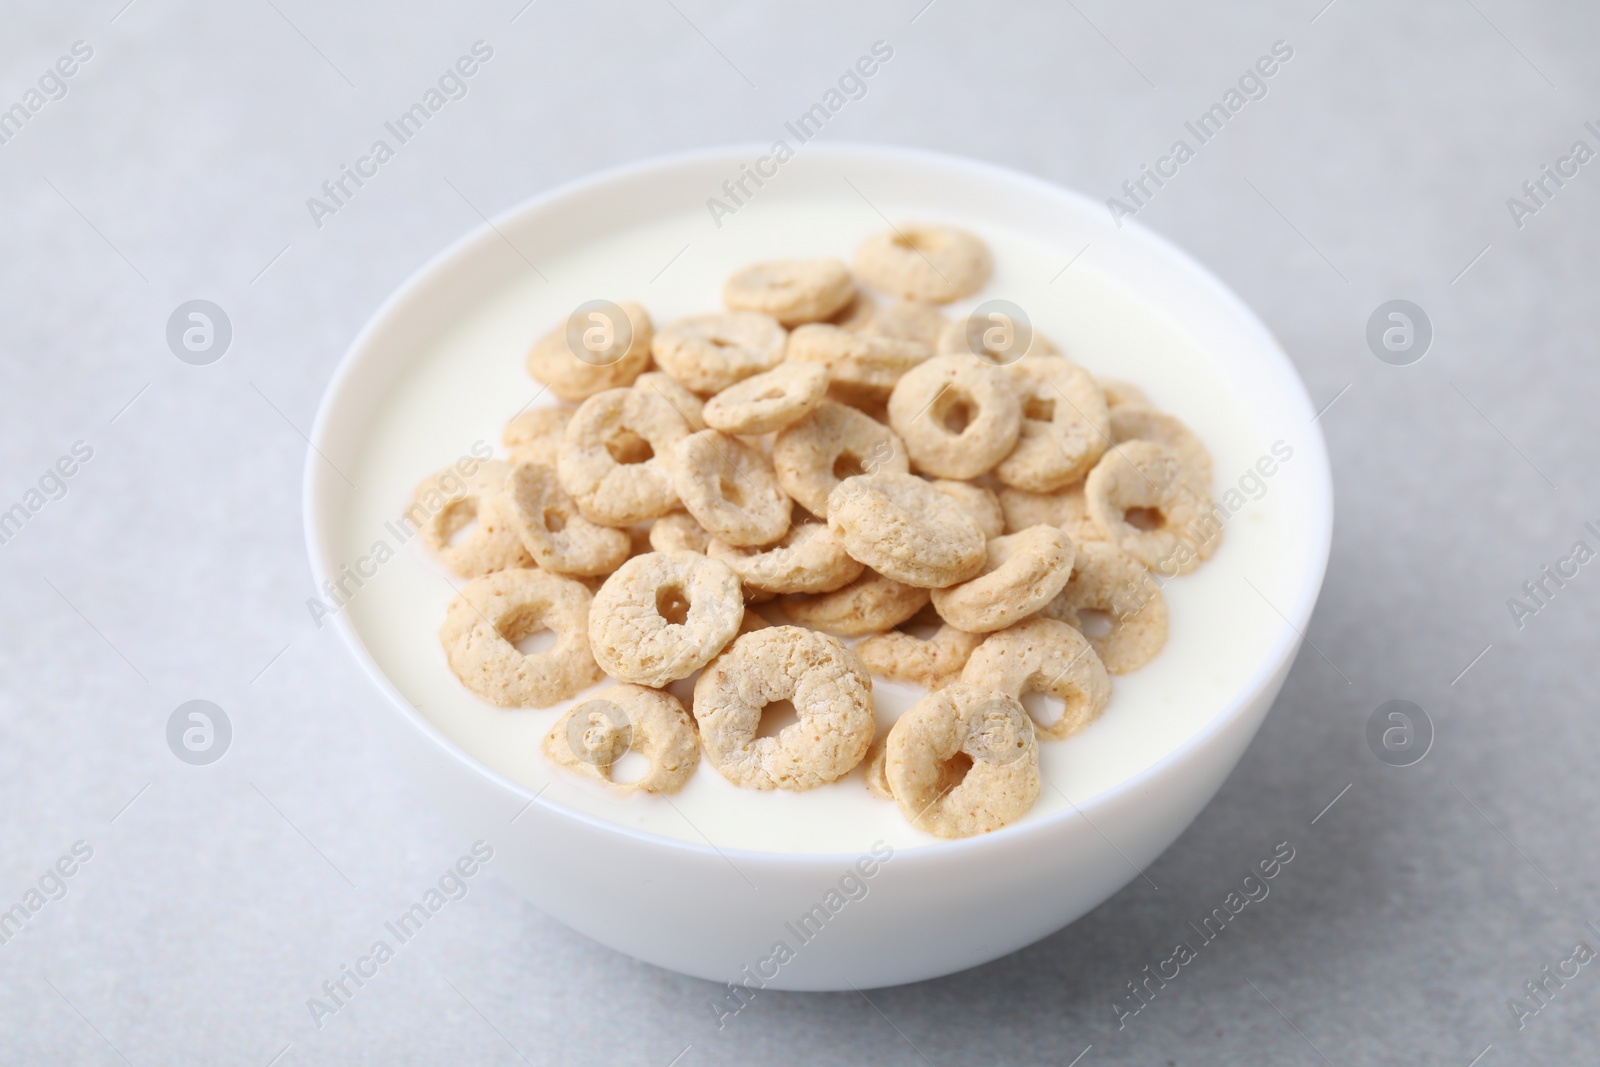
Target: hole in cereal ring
(731, 491)
(628, 447)
(629, 767)
(461, 534)
(534, 642)
(458, 520)
(915, 241)
(553, 520)
(1046, 710)
(771, 394)
(775, 717)
(1094, 623)
(953, 411)
(953, 771)
(1144, 518)
(672, 605)
(848, 465)
(1039, 408)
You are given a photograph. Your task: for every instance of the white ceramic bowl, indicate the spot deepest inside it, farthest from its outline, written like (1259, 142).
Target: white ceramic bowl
(931, 910)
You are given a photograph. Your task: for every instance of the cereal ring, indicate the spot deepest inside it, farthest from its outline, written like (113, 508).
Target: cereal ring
(768, 401)
(905, 529)
(1140, 497)
(1065, 508)
(860, 366)
(792, 291)
(808, 559)
(936, 264)
(978, 502)
(904, 657)
(554, 359)
(957, 415)
(450, 500)
(869, 605)
(534, 435)
(1044, 656)
(593, 735)
(1118, 588)
(1022, 573)
(683, 402)
(1122, 394)
(906, 320)
(663, 615)
(832, 443)
(678, 532)
(1065, 425)
(492, 613)
(730, 488)
(973, 336)
(963, 761)
(1131, 422)
(818, 675)
(708, 353)
(558, 537)
(614, 457)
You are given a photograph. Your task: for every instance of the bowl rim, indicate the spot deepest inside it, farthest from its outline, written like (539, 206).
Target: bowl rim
(1283, 649)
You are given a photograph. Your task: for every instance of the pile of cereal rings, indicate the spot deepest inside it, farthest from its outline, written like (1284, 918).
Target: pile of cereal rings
(973, 511)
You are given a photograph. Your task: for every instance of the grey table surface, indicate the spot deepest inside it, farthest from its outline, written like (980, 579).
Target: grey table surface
(170, 566)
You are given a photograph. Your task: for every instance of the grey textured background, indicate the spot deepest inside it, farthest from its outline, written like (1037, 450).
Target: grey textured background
(219, 899)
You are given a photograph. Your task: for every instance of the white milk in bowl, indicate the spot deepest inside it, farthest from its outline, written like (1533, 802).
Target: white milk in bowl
(456, 398)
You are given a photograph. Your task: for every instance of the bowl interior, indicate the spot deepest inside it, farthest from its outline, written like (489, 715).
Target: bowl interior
(439, 369)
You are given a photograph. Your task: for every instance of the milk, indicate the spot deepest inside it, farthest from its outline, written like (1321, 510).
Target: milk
(471, 380)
